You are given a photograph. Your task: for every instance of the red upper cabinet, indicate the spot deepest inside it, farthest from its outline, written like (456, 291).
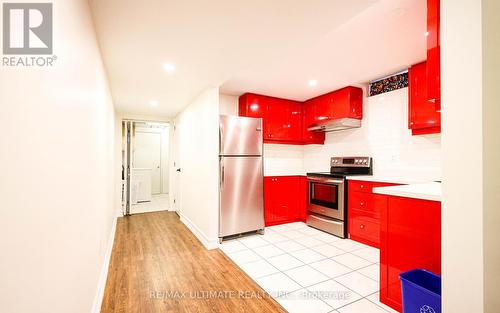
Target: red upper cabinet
(252, 105)
(342, 103)
(423, 117)
(433, 53)
(348, 102)
(287, 121)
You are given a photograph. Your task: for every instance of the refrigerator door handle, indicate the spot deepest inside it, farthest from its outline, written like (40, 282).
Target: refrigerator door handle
(221, 173)
(221, 142)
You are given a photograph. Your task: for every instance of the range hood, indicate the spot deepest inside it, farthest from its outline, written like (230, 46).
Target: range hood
(335, 125)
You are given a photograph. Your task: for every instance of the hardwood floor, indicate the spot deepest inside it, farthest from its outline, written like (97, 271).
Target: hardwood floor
(158, 265)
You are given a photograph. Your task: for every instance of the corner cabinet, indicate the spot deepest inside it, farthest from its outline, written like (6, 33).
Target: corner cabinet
(287, 121)
(284, 199)
(423, 117)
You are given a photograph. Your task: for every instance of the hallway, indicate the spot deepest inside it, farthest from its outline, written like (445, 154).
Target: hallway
(158, 265)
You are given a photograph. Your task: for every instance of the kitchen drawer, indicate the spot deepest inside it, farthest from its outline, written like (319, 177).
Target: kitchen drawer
(366, 186)
(370, 203)
(364, 228)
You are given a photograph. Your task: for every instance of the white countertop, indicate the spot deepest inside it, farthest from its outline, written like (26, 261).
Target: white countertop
(425, 191)
(400, 179)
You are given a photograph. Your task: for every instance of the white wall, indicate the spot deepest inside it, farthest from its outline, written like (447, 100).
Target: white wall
(57, 165)
(462, 203)
(471, 135)
(197, 129)
(385, 136)
(228, 105)
(491, 153)
(283, 160)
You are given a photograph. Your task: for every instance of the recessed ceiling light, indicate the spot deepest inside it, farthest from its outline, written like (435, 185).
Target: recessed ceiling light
(313, 82)
(169, 67)
(154, 103)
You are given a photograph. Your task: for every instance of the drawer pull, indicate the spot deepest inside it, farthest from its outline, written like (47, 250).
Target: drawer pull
(362, 186)
(361, 204)
(362, 226)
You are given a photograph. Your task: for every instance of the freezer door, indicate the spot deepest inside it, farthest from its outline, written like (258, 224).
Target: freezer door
(241, 195)
(240, 135)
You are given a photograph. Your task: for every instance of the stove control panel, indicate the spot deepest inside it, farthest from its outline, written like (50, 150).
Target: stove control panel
(350, 162)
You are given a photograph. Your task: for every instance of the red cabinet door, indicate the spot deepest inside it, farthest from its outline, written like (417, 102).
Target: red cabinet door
(348, 102)
(284, 199)
(252, 105)
(423, 117)
(277, 119)
(309, 113)
(295, 121)
(433, 53)
(270, 201)
(286, 187)
(324, 107)
(410, 237)
(302, 199)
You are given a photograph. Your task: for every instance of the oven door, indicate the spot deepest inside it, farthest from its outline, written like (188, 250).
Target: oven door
(326, 197)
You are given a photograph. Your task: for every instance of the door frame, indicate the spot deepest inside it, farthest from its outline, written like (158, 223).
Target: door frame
(175, 172)
(127, 124)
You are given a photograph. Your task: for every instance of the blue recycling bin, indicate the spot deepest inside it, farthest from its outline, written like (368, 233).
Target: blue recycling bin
(421, 291)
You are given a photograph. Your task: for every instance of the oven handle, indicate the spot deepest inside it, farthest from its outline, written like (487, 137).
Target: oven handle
(325, 220)
(325, 180)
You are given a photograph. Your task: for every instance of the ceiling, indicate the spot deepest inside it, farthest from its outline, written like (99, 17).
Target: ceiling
(269, 47)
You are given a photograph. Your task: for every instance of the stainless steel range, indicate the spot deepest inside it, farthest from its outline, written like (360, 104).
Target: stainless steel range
(327, 196)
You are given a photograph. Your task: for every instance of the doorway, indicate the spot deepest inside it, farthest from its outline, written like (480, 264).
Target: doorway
(145, 156)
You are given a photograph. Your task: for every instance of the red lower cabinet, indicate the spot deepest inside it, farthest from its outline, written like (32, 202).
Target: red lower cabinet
(364, 209)
(284, 199)
(410, 237)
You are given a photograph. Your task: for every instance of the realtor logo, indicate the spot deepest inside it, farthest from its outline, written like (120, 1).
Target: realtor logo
(27, 28)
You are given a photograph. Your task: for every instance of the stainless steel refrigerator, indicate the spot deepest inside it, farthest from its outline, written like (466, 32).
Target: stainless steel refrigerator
(241, 204)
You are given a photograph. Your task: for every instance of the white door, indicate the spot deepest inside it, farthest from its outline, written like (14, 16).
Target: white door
(147, 155)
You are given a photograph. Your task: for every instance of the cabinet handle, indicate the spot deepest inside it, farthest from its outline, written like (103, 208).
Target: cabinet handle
(361, 204)
(361, 226)
(362, 186)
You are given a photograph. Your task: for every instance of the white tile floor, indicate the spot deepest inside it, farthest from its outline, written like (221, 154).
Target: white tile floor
(307, 270)
(158, 202)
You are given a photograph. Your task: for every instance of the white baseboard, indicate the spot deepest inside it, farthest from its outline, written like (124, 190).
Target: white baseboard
(208, 243)
(101, 285)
